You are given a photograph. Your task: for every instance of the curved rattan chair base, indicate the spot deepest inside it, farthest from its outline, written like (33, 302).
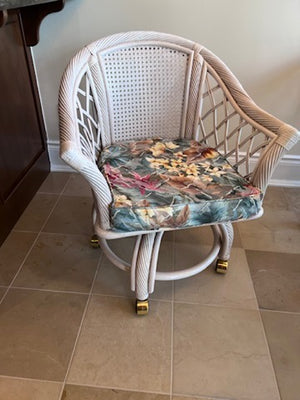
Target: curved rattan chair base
(145, 256)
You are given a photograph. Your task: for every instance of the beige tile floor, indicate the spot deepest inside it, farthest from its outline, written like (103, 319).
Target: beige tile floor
(68, 330)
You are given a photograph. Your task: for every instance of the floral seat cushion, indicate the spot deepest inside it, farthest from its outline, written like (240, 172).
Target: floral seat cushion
(158, 183)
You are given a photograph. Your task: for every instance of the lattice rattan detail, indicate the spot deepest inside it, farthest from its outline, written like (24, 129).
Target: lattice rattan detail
(222, 127)
(87, 118)
(146, 88)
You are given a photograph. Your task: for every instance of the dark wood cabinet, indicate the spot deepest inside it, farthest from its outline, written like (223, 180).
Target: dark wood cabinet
(24, 161)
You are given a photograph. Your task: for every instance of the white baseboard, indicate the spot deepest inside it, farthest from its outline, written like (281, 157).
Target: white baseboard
(287, 173)
(56, 163)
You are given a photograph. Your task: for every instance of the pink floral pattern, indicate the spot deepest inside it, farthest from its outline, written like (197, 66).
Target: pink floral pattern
(159, 183)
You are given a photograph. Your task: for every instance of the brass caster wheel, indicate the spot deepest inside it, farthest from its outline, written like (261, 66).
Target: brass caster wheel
(142, 307)
(221, 266)
(94, 242)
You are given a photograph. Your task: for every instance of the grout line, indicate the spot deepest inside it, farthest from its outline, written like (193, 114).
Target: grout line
(50, 290)
(113, 388)
(279, 311)
(201, 397)
(286, 198)
(229, 307)
(76, 196)
(113, 295)
(56, 193)
(272, 251)
(68, 177)
(68, 194)
(82, 293)
(269, 353)
(250, 279)
(83, 234)
(152, 300)
(33, 244)
(23, 231)
(28, 379)
(22, 263)
(80, 326)
(132, 297)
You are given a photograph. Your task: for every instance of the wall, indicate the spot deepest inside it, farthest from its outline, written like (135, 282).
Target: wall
(258, 39)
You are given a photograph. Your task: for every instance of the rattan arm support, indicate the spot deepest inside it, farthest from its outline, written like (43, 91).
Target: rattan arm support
(248, 106)
(70, 146)
(283, 136)
(89, 169)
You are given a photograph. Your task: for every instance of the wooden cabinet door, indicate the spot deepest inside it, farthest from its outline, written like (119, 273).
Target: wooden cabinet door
(24, 161)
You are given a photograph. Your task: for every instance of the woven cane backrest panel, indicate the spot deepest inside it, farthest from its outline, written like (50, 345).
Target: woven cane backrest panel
(146, 89)
(88, 120)
(222, 127)
(144, 93)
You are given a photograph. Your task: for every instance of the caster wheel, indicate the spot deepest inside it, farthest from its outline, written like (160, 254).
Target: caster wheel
(221, 266)
(94, 242)
(142, 307)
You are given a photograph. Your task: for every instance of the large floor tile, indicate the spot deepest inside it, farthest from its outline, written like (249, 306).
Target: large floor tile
(12, 254)
(55, 182)
(275, 199)
(123, 248)
(293, 197)
(60, 262)
(72, 214)
(25, 389)
(36, 213)
(110, 279)
(77, 186)
(118, 349)
(113, 281)
(235, 289)
(276, 279)
(221, 352)
(276, 230)
(283, 334)
(188, 254)
(76, 392)
(203, 235)
(38, 331)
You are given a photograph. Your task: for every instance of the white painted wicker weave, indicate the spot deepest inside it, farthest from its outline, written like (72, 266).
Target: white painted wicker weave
(146, 84)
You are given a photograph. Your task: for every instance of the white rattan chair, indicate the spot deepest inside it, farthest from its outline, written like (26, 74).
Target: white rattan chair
(142, 85)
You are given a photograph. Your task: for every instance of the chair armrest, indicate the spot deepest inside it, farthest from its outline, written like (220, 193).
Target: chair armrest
(283, 136)
(80, 151)
(90, 171)
(287, 135)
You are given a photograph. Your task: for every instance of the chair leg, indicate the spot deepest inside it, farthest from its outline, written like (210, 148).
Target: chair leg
(227, 235)
(221, 266)
(94, 241)
(142, 307)
(142, 272)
